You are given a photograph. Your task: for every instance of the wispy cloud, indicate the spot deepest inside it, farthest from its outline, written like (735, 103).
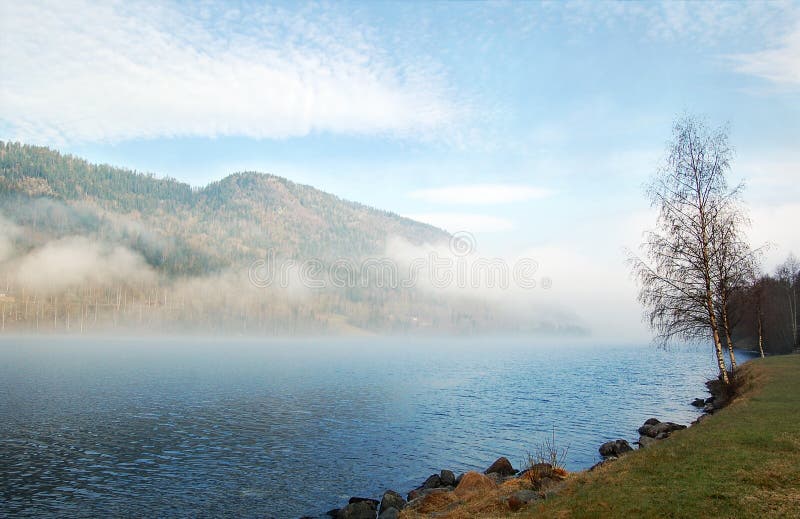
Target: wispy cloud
(471, 222)
(708, 23)
(780, 65)
(76, 71)
(481, 194)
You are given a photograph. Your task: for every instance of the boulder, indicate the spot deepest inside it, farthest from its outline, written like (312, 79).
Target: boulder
(667, 427)
(473, 482)
(415, 494)
(433, 481)
(447, 478)
(358, 510)
(698, 402)
(654, 431)
(614, 448)
(520, 498)
(391, 499)
(647, 426)
(645, 441)
(502, 467)
(332, 512)
(709, 408)
(373, 502)
(390, 513)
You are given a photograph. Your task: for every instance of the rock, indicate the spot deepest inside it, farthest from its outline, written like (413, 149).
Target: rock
(358, 510)
(667, 427)
(390, 513)
(373, 502)
(501, 466)
(458, 479)
(698, 402)
(391, 499)
(662, 427)
(433, 481)
(645, 441)
(614, 448)
(474, 482)
(550, 487)
(415, 494)
(709, 408)
(602, 462)
(333, 512)
(447, 478)
(520, 498)
(647, 426)
(419, 493)
(662, 436)
(710, 400)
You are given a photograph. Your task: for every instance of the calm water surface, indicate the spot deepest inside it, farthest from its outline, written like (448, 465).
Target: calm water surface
(203, 428)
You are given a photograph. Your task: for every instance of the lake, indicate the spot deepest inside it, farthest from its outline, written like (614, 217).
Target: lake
(209, 428)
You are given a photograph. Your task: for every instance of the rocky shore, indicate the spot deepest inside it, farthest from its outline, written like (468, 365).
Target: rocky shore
(502, 487)
(444, 491)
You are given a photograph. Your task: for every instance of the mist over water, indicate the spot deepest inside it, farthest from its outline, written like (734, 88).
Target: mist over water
(202, 428)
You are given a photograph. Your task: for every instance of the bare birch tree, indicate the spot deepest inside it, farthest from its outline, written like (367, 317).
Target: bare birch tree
(734, 264)
(676, 274)
(756, 295)
(788, 274)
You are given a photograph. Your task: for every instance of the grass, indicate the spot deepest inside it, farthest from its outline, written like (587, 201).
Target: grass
(742, 462)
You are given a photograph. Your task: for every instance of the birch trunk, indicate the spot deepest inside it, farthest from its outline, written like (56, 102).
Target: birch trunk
(728, 339)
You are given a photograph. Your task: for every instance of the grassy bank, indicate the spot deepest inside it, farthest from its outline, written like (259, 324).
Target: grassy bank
(742, 462)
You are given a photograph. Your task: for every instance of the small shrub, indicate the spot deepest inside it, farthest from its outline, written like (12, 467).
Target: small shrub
(549, 452)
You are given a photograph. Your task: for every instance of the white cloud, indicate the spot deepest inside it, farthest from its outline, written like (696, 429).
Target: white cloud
(471, 222)
(481, 194)
(780, 65)
(85, 71)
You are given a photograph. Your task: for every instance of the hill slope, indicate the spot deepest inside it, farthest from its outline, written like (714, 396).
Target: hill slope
(227, 223)
(88, 247)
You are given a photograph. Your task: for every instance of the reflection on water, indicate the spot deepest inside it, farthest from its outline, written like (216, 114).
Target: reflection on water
(204, 428)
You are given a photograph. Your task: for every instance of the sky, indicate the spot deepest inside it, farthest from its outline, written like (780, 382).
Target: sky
(532, 125)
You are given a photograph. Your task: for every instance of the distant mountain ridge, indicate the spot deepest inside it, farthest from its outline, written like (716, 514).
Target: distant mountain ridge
(230, 222)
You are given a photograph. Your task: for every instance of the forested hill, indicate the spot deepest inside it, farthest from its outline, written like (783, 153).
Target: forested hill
(182, 230)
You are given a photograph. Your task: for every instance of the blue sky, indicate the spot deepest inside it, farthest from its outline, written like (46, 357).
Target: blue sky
(533, 125)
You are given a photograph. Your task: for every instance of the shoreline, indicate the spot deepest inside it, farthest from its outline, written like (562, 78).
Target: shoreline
(515, 489)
